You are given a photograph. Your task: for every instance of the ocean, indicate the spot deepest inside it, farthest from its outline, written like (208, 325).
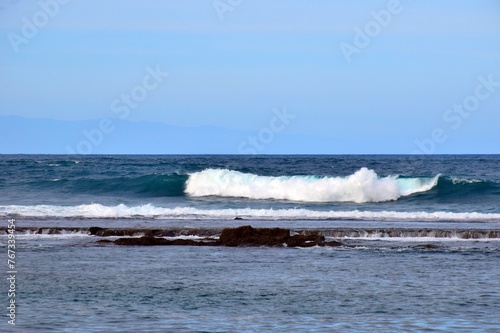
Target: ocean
(420, 235)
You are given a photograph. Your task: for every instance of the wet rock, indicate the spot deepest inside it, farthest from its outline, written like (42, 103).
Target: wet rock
(334, 243)
(305, 240)
(96, 231)
(141, 241)
(165, 233)
(155, 241)
(47, 231)
(127, 232)
(241, 236)
(248, 236)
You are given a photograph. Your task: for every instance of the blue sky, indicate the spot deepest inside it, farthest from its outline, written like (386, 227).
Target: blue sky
(392, 96)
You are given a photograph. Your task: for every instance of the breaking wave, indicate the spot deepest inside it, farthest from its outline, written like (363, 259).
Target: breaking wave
(362, 186)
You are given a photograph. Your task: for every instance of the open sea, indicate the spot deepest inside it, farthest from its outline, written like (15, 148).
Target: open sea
(421, 239)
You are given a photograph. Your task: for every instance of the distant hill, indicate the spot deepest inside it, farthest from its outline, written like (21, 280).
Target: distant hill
(20, 135)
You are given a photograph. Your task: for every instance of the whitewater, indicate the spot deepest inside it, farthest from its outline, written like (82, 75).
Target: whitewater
(149, 211)
(362, 186)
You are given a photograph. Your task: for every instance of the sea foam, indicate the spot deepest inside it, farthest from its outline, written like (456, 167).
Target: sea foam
(362, 186)
(149, 211)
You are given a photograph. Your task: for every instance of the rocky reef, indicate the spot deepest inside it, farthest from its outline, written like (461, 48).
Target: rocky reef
(232, 237)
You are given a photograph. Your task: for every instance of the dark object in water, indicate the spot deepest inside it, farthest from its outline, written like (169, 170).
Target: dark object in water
(241, 236)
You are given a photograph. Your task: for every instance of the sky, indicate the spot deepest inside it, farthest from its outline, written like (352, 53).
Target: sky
(375, 77)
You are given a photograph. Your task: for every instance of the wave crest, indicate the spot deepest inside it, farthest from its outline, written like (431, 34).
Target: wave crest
(362, 186)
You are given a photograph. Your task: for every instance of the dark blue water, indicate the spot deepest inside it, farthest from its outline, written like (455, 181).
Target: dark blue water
(434, 184)
(423, 251)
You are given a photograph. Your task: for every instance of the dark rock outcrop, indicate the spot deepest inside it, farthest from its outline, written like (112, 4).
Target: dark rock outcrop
(154, 241)
(102, 232)
(305, 240)
(232, 237)
(96, 231)
(248, 236)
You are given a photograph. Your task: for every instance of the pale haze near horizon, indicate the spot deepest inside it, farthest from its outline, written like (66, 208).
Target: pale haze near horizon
(232, 64)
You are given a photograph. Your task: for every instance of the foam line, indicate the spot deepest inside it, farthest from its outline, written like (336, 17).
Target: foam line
(149, 211)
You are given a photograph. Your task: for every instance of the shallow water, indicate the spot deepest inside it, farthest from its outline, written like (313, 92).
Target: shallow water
(187, 289)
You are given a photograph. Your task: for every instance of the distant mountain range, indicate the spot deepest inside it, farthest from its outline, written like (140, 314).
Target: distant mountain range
(115, 136)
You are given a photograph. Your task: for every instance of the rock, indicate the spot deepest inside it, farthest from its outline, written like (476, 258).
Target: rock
(248, 236)
(103, 232)
(166, 233)
(127, 232)
(96, 231)
(48, 231)
(193, 243)
(305, 240)
(142, 241)
(154, 241)
(333, 243)
(241, 236)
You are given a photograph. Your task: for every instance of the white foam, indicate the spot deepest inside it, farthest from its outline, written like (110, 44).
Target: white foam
(63, 235)
(362, 186)
(465, 181)
(185, 213)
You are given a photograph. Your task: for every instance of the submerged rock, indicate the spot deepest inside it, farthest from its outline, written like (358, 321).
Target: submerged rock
(104, 241)
(427, 246)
